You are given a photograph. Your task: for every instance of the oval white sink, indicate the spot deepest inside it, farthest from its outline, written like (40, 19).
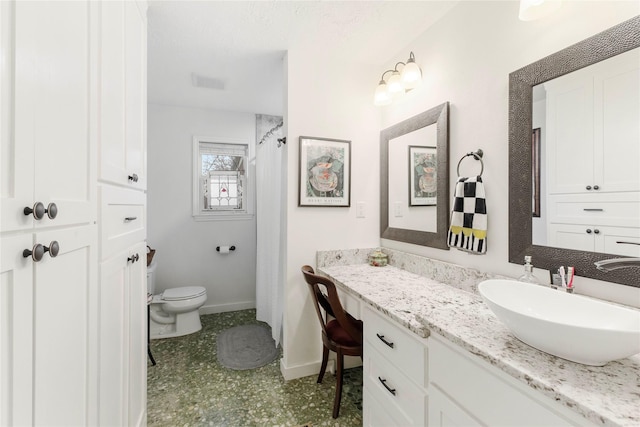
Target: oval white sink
(570, 326)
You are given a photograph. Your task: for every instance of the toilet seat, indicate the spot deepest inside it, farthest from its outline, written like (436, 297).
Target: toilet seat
(183, 293)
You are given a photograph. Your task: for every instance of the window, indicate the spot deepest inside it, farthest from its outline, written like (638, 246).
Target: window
(221, 179)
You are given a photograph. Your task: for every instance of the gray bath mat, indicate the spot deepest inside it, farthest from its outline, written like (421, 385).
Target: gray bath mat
(246, 347)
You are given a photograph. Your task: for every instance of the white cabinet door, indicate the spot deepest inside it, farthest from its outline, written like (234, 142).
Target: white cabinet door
(45, 113)
(569, 134)
(616, 131)
(16, 94)
(444, 413)
(123, 95)
(114, 352)
(570, 236)
(123, 338)
(46, 323)
(64, 318)
(138, 337)
(16, 331)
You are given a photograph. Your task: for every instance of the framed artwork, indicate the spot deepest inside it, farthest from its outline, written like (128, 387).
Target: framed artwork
(535, 172)
(423, 176)
(325, 172)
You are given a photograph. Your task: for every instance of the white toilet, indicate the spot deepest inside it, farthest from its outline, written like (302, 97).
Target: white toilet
(174, 312)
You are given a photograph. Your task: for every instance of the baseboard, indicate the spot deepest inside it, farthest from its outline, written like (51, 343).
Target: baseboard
(300, 371)
(293, 372)
(223, 308)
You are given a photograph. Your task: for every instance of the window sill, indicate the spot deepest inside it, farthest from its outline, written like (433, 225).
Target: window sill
(223, 216)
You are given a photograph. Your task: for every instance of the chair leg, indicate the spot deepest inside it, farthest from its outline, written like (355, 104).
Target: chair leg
(323, 367)
(336, 402)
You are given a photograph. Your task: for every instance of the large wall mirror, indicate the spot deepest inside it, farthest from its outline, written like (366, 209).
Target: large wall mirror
(414, 179)
(574, 148)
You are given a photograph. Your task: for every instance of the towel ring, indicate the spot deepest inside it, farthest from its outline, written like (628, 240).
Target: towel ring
(476, 155)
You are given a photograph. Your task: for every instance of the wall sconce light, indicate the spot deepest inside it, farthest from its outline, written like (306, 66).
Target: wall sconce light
(400, 81)
(535, 9)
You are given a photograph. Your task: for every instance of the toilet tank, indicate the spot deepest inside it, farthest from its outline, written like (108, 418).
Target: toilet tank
(151, 276)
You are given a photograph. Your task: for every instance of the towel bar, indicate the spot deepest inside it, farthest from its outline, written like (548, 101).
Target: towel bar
(476, 155)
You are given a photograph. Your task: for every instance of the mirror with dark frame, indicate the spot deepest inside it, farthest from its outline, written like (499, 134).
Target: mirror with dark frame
(419, 200)
(608, 44)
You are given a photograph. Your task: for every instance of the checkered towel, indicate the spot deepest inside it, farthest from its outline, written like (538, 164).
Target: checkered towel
(468, 229)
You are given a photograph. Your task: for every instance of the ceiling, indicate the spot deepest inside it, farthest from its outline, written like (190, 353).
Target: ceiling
(239, 45)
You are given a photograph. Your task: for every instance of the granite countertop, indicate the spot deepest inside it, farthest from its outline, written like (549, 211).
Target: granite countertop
(607, 395)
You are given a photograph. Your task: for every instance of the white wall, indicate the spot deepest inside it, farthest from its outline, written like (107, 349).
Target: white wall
(331, 100)
(186, 253)
(466, 59)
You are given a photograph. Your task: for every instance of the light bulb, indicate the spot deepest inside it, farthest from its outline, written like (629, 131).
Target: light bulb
(381, 96)
(395, 84)
(411, 75)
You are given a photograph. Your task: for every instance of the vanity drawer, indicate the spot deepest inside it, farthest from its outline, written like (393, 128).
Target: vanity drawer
(400, 347)
(395, 394)
(601, 210)
(122, 220)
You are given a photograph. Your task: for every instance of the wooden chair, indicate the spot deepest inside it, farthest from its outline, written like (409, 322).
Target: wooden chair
(341, 332)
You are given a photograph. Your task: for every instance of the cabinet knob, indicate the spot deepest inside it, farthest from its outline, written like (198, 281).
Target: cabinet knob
(52, 210)
(37, 210)
(588, 231)
(53, 249)
(133, 177)
(133, 258)
(596, 187)
(588, 187)
(596, 231)
(36, 253)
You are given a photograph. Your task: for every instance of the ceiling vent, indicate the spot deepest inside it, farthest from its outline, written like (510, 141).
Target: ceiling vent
(206, 82)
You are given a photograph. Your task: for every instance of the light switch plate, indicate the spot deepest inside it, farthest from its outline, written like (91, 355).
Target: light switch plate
(397, 209)
(360, 210)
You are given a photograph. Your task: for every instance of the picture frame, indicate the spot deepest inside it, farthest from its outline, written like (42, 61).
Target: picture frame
(423, 176)
(324, 172)
(535, 172)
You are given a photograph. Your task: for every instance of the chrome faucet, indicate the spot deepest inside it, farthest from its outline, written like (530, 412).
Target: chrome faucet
(607, 265)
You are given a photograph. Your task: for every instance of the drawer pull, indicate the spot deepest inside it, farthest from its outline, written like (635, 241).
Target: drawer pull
(381, 337)
(593, 210)
(130, 218)
(620, 242)
(389, 389)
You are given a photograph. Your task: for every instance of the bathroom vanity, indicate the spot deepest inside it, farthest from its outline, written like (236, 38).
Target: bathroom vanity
(434, 354)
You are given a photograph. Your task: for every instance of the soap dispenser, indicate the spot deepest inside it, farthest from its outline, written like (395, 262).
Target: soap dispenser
(528, 276)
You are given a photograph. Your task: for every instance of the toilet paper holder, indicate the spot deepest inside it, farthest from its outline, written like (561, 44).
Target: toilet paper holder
(231, 248)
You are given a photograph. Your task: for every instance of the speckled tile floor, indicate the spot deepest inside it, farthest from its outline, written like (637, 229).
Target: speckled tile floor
(188, 387)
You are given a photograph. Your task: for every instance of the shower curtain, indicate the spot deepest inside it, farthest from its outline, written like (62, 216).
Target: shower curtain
(270, 224)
